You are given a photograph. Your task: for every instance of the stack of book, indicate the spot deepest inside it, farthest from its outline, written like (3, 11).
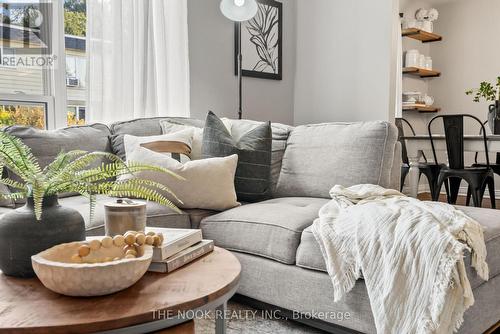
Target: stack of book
(180, 247)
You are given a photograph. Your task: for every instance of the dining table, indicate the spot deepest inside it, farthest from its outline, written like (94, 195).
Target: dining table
(416, 145)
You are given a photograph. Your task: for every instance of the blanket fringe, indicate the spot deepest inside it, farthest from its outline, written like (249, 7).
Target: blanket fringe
(444, 282)
(472, 235)
(341, 286)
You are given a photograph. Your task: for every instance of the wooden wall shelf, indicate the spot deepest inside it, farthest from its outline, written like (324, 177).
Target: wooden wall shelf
(421, 72)
(420, 108)
(421, 35)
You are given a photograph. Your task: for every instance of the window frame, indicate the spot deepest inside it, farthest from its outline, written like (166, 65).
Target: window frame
(47, 101)
(54, 94)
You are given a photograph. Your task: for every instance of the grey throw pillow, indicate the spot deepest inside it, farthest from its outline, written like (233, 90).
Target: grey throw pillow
(253, 174)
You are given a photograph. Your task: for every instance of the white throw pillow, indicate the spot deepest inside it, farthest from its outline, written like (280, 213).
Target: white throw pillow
(185, 136)
(208, 184)
(168, 127)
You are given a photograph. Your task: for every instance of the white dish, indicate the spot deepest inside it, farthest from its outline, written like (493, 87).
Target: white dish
(58, 273)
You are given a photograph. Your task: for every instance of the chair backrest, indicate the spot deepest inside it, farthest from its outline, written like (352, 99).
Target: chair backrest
(454, 135)
(480, 133)
(401, 134)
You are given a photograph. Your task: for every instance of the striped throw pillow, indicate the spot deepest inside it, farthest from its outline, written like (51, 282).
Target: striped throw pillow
(253, 174)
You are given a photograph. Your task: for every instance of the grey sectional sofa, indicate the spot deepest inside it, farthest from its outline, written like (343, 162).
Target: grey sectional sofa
(282, 264)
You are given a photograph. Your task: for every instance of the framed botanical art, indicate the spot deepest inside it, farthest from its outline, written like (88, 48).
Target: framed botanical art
(261, 42)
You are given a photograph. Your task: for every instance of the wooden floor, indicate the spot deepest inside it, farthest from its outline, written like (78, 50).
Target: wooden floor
(460, 201)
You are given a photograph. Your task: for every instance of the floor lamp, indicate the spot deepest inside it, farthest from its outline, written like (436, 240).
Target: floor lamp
(239, 11)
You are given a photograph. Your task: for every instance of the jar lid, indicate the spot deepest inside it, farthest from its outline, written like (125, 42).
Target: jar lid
(124, 203)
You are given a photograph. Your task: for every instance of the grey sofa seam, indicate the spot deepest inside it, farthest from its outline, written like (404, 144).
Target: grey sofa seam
(309, 268)
(280, 260)
(251, 222)
(168, 214)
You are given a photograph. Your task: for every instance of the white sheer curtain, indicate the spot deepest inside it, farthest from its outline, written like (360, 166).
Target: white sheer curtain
(138, 65)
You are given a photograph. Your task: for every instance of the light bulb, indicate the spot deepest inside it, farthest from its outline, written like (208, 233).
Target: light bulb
(239, 3)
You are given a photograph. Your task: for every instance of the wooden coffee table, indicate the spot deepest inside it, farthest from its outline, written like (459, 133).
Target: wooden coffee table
(156, 302)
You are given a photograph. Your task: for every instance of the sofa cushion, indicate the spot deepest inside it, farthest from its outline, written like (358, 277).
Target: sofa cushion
(269, 229)
(309, 254)
(197, 215)
(317, 157)
(253, 175)
(149, 126)
(47, 144)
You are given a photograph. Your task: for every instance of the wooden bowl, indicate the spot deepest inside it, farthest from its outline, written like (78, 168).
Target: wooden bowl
(58, 273)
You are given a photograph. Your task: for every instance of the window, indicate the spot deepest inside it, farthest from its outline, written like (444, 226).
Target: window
(22, 88)
(75, 21)
(24, 112)
(52, 94)
(76, 115)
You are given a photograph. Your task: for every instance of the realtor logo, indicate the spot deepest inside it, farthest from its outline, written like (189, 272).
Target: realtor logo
(25, 34)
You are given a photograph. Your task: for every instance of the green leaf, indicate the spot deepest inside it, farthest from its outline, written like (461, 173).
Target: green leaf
(13, 184)
(75, 171)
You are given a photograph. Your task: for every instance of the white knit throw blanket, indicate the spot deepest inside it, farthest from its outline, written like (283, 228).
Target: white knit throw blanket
(409, 252)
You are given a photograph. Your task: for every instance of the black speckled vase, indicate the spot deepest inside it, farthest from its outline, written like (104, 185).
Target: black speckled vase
(22, 236)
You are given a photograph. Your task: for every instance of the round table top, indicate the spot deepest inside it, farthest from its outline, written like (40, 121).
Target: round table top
(26, 306)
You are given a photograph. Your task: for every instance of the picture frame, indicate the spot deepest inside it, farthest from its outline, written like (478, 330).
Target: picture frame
(262, 52)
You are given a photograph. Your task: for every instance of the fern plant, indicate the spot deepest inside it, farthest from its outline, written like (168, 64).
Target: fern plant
(75, 171)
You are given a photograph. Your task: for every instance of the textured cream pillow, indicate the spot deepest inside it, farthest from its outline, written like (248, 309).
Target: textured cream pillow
(209, 183)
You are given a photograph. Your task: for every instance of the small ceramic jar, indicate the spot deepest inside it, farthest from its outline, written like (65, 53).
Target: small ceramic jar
(412, 58)
(421, 61)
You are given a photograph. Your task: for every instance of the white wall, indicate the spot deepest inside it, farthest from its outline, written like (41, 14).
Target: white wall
(213, 83)
(344, 57)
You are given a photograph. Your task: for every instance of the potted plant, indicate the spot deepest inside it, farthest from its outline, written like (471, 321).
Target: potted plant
(489, 92)
(42, 222)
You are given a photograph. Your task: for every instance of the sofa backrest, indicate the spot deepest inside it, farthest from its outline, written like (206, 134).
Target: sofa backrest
(319, 156)
(149, 126)
(47, 144)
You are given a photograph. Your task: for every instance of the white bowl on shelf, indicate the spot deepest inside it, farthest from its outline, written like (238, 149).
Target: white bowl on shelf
(58, 273)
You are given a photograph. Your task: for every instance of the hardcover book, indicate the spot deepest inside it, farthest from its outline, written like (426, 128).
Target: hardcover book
(182, 258)
(175, 240)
